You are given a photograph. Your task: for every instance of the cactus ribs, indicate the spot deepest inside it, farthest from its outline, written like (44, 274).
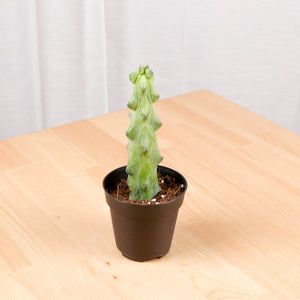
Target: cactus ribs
(143, 152)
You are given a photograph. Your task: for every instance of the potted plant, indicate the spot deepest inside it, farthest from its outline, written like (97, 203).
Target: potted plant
(143, 196)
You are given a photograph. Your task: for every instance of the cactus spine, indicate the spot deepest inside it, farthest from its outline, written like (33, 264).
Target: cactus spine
(143, 152)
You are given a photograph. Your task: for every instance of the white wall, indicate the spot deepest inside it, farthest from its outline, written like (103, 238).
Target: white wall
(62, 61)
(246, 51)
(52, 63)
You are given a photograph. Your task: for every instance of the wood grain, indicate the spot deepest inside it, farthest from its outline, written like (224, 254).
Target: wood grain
(237, 235)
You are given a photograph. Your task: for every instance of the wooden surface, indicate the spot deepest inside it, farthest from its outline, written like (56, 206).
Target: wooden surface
(237, 235)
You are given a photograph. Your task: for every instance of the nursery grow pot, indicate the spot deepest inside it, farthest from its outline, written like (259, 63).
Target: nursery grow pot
(143, 232)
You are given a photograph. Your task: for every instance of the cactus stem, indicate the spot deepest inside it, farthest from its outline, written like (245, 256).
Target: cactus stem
(143, 152)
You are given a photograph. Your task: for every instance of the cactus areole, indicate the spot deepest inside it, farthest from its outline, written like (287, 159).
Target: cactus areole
(143, 152)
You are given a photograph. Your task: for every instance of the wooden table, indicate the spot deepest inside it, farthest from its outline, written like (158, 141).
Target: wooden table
(237, 235)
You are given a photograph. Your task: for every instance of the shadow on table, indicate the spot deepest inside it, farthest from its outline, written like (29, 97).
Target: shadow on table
(224, 237)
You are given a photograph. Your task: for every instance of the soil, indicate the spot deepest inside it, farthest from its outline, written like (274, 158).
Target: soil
(169, 190)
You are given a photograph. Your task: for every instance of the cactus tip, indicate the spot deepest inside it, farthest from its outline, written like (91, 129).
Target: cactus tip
(133, 76)
(149, 73)
(141, 70)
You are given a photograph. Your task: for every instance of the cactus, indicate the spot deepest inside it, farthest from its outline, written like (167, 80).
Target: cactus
(143, 152)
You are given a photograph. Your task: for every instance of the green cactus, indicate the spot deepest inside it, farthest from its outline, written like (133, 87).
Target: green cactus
(143, 152)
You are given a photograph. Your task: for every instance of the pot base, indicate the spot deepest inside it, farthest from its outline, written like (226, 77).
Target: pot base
(141, 260)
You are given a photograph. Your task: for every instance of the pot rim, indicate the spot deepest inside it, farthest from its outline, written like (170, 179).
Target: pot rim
(135, 204)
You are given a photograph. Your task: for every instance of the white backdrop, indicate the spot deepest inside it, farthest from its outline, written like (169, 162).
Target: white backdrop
(52, 63)
(62, 61)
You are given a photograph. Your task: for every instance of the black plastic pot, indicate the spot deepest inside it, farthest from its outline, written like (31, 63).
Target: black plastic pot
(143, 232)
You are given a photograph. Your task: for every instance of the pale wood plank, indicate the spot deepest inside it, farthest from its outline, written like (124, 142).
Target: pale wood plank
(10, 157)
(48, 147)
(94, 142)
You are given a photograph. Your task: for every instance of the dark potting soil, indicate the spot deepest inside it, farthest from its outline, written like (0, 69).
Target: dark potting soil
(169, 190)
